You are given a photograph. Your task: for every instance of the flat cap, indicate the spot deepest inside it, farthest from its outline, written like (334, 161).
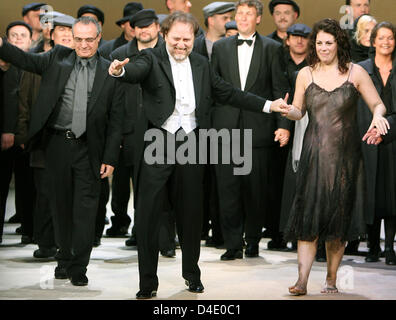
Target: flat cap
(19, 23)
(274, 3)
(65, 20)
(143, 18)
(218, 7)
(129, 10)
(299, 29)
(91, 9)
(48, 17)
(34, 6)
(231, 25)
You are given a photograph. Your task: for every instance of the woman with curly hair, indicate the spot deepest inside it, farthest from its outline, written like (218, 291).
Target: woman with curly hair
(329, 201)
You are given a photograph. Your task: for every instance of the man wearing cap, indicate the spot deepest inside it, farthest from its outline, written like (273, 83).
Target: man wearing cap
(31, 15)
(284, 13)
(128, 33)
(77, 120)
(13, 158)
(145, 23)
(95, 13)
(248, 62)
(216, 15)
(60, 26)
(231, 29)
(291, 60)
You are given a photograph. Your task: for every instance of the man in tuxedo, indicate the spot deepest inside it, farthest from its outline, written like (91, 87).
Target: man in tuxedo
(179, 87)
(249, 62)
(77, 120)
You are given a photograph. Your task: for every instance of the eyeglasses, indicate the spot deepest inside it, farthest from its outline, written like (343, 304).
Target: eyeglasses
(87, 40)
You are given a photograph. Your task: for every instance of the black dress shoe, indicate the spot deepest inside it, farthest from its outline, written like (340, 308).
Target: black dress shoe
(146, 294)
(352, 248)
(25, 239)
(168, 253)
(232, 254)
(195, 286)
(131, 242)
(14, 219)
(79, 280)
(373, 255)
(18, 230)
(213, 243)
(96, 243)
(60, 273)
(252, 250)
(117, 231)
(277, 245)
(390, 257)
(42, 253)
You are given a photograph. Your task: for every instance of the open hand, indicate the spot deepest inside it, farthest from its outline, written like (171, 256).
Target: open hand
(381, 124)
(116, 67)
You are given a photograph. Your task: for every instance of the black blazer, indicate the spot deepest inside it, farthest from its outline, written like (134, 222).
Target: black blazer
(133, 100)
(200, 46)
(11, 80)
(107, 48)
(104, 113)
(263, 80)
(152, 70)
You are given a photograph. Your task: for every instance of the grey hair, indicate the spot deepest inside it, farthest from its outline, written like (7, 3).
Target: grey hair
(86, 21)
(251, 3)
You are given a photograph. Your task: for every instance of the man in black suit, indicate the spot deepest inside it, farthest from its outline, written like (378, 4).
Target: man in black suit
(248, 61)
(77, 120)
(178, 91)
(128, 33)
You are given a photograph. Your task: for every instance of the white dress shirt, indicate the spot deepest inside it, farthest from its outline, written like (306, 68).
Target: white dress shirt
(184, 114)
(245, 54)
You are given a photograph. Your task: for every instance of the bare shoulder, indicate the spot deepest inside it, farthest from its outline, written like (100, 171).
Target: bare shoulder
(304, 76)
(358, 72)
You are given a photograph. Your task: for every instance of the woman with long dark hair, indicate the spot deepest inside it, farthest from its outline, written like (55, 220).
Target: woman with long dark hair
(329, 200)
(380, 162)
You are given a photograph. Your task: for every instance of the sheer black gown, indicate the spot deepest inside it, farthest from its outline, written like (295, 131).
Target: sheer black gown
(329, 200)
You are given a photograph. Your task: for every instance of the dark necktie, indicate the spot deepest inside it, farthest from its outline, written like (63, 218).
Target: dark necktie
(241, 41)
(80, 101)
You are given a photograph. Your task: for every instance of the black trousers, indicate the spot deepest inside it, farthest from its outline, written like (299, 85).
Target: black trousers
(244, 199)
(43, 226)
(121, 192)
(16, 160)
(74, 200)
(101, 214)
(183, 184)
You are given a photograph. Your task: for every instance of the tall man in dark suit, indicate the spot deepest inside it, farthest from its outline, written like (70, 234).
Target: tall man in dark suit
(77, 120)
(248, 61)
(178, 91)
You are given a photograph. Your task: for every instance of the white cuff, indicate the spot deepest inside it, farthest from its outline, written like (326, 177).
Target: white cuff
(121, 75)
(267, 106)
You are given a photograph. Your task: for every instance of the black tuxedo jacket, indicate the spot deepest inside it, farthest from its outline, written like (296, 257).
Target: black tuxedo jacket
(263, 80)
(152, 70)
(104, 113)
(107, 48)
(133, 100)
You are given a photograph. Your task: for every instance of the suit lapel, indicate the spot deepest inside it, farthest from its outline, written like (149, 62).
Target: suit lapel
(234, 71)
(100, 77)
(165, 65)
(197, 72)
(254, 64)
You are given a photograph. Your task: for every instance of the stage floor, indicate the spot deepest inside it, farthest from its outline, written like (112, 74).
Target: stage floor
(113, 274)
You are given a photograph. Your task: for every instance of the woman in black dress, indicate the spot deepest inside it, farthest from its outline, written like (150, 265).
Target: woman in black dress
(329, 200)
(380, 162)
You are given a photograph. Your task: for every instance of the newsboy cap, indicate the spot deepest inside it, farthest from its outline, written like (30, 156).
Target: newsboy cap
(231, 25)
(34, 6)
(19, 23)
(218, 7)
(129, 10)
(143, 18)
(299, 29)
(65, 20)
(274, 3)
(91, 9)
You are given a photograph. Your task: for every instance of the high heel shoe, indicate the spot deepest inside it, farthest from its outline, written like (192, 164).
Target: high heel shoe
(294, 291)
